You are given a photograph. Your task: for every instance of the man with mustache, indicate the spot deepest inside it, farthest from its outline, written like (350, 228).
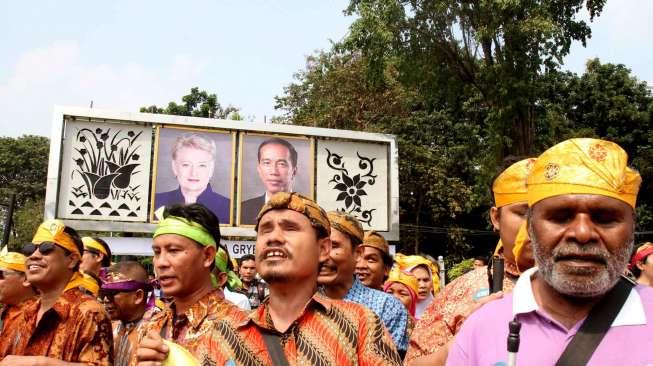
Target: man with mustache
(442, 319)
(574, 307)
(339, 282)
(62, 326)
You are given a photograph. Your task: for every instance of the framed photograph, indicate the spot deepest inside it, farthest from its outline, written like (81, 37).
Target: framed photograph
(194, 166)
(270, 164)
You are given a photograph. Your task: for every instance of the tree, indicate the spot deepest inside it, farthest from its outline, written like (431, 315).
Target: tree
(197, 104)
(23, 167)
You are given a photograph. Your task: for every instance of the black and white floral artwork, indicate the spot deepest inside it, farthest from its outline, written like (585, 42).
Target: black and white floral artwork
(105, 171)
(352, 178)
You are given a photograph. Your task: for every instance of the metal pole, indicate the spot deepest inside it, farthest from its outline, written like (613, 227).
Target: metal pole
(7, 224)
(441, 271)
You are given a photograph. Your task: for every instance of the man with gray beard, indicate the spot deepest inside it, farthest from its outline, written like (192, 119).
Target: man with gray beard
(574, 308)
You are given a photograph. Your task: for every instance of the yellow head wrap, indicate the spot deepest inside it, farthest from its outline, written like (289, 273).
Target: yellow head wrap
(12, 260)
(510, 186)
(89, 283)
(520, 241)
(409, 262)
(90, 243)
(346, 224)
(296, 202)
(406, 278)
(375, 240)
(583, 166)
(53, 231)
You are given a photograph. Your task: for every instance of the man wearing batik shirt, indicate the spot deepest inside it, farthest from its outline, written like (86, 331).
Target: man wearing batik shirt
(255, 289)
(62, 324)
(14, 288)
(442, 319)
(581, 219)
(184, 247)
(339, 281)
(125, 295)
(373, 260)
(297, 323)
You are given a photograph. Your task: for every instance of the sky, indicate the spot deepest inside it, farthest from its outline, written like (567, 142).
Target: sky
(126, 54)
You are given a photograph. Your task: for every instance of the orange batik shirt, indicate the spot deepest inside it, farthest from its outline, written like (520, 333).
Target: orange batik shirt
(444, 316)
(329, 332)
(75, 329)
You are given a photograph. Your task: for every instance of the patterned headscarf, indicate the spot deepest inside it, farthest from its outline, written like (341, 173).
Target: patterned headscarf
(53, 231)
(583, 166)
(409, 262)
(12, 260)
(346, 224)
(407, 279)
(375, 240)
(510, 186)
(642, 252)
(296, 202)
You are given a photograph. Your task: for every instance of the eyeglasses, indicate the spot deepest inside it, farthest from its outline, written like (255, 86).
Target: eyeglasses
(108, 295)
(44, 248)
(4, 273)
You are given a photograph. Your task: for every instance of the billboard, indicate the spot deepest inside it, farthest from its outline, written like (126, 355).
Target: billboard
(113, 171)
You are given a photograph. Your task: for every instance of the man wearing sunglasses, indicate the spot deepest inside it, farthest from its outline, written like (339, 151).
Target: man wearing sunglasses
(62, 325)
(124, 293)
(14, 289)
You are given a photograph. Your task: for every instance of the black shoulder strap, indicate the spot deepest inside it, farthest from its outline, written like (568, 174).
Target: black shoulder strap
(273, 344)
(599, 320)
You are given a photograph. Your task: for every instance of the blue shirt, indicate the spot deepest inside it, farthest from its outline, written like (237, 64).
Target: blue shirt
(387, 307)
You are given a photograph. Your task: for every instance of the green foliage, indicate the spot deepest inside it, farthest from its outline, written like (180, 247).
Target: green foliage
(460, 269)
(197, 104)
(27, 219)
(23, 167)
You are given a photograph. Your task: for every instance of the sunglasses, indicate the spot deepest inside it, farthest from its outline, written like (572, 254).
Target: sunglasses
(110, 294)
(5, 273)
(44, 248)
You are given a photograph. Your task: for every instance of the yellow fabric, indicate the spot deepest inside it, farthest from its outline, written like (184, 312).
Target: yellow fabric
(12, 260)
(375, 240)
(90, 284)
(510, 186)
(397, 275)
(520, 240)
(583, 166)
(346, 224)
(296, 202)
(178, 355)
(77, 280)
(93, 244)
(52, 231)
(409, 262)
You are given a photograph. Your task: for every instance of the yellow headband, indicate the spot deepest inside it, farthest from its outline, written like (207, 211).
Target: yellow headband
(346, 224)
(409, 262)
(12, 260)
(375, 240)
(583, 166)
(90, 243)
(397, 275)
(520, 240)
(298, 203)
(53, 231)
(510, 185)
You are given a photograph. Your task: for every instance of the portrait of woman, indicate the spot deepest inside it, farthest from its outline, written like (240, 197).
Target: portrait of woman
(191, 169)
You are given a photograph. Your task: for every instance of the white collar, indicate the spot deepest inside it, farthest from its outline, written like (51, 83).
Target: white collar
(523, 301)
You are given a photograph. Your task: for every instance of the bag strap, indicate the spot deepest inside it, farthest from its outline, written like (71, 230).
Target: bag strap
(273, 344)
(599, 320)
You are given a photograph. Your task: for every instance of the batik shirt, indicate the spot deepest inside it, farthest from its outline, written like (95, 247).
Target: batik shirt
(8, 314)
(387, 307)
(195, 329)
(443, 318)
(328, 332)
(75, 329)
(125, 340)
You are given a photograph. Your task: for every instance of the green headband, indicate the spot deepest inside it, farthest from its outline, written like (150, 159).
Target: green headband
(184, 227)
(221, 258)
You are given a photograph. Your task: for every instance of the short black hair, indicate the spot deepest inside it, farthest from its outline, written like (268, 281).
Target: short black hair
(482, 259)
(246, 257)
(106, 259)
(74, 235)
(282, 142)
(198, 213)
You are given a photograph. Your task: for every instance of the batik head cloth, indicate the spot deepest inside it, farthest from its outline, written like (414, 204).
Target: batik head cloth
(583, 166)
(642, 252)
(407, 279)
(376, 240)
(298, 203)
(12, 260)
(186, 228)
(346, 224)
(510, 186)
(409, 262)
(53, 231)
(94, 245)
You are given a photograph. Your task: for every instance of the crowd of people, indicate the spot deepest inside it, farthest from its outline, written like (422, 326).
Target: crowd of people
(320, 290)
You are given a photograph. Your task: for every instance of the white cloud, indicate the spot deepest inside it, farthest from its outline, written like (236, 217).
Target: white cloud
(57, 74)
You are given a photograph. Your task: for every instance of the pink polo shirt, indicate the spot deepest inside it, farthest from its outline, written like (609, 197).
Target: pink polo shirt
(482, 338)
